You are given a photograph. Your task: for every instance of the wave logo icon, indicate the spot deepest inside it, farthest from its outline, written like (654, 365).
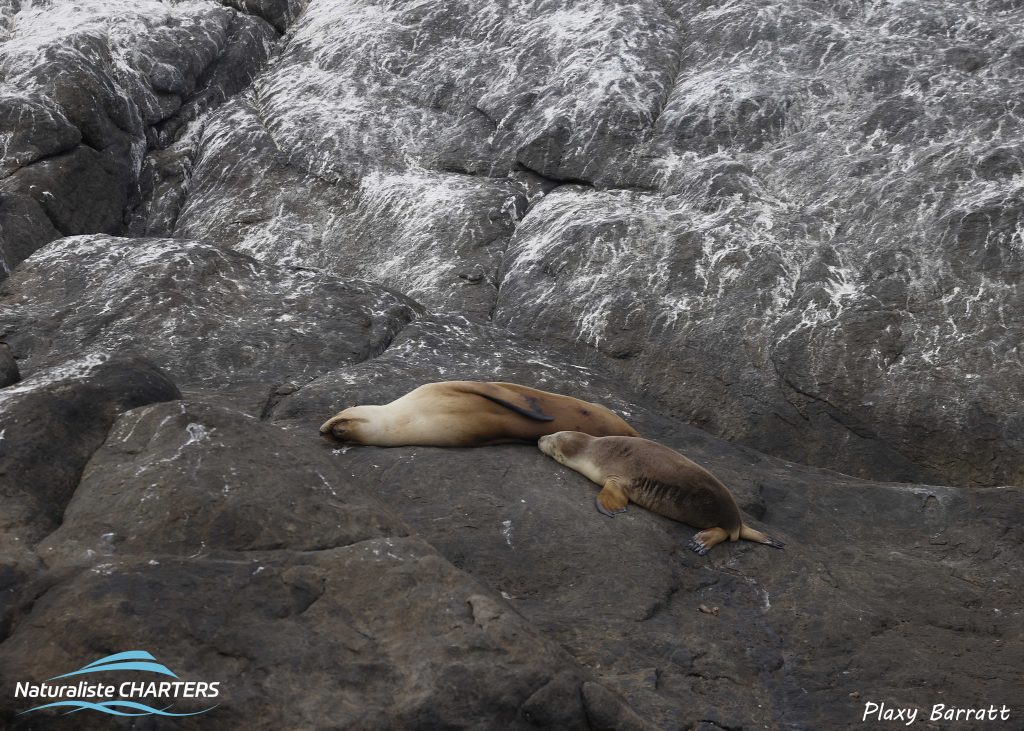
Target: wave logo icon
(117, 699)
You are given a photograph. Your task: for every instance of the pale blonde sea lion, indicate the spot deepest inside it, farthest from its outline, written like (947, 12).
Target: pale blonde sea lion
(657, 478)
(471, 414)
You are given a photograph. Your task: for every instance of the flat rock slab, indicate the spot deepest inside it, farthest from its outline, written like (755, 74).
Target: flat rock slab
(298, 591)
(381, 634)
(190, 478)
(872, 579)
(215, 319)
(872, 573)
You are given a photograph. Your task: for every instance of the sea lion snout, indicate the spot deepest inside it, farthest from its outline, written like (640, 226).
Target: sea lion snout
(548, 444)
(327, 429)
(336, 428)
(347, 426)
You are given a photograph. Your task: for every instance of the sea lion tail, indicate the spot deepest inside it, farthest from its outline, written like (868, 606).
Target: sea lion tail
(749, 534)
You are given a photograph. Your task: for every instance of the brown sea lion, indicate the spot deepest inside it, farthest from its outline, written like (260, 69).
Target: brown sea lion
(657, 478)
(471, 414)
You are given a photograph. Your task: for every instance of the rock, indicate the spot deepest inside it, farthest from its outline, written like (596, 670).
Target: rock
(245, 485)
(446, 348)
(763, 233)
(871, 572)
(89, 90)
(9, 373)
(377, 635)
(279, 13)
(35, 128)
(742, 202)
(215, 319)
(335, 605)
(24, 227)
(54, 420)
(858, 372)
(50, 424)
(78, 191)
(386, 228)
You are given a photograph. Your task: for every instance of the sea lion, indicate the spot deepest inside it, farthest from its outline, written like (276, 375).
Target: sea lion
(657, 478)
(471, 414)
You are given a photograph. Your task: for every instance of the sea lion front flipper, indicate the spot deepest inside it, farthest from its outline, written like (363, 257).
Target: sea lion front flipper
(521, 403)
(706, 540)
(612, 499)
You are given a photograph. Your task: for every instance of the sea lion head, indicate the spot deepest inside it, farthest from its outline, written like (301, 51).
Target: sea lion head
(347, 426)
(564, 445)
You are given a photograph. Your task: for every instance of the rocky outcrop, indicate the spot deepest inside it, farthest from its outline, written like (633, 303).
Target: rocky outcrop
(212, 317)
(9, 372)
(781, 239)
(303, 594)
(873, 575)
(344, 571)
(50, 424)
(89, 90)
(53, 422)
(780, 226)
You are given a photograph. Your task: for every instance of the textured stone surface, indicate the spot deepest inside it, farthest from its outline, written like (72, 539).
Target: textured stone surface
(437, 236)
(804, 234)
(874, 579)
(50, 424)
(214, 318)
(9, 372)
(179, 459)
(236, 551)
(794, 227)
(87, 89)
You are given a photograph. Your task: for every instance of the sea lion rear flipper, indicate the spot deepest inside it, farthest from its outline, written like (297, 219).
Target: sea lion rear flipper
(521, 403)
(757, 536)
(612, 499)
(706, 540)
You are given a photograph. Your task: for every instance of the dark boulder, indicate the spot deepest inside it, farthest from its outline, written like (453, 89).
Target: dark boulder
(215, 319)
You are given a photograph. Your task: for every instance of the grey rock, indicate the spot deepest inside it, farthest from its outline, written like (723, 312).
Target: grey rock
(54, 420)
(335, 606)
(793, 226)
(243, 485)
(50, 424)
(387, 227)
(829, 376)
(9, 373)
(440, 348)
(24, 227)
(803, 232)
(66, 188)
(89, 91)
(384, 634)
(215, 319)
(872, 573)
(279, 13)
(34, 128)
